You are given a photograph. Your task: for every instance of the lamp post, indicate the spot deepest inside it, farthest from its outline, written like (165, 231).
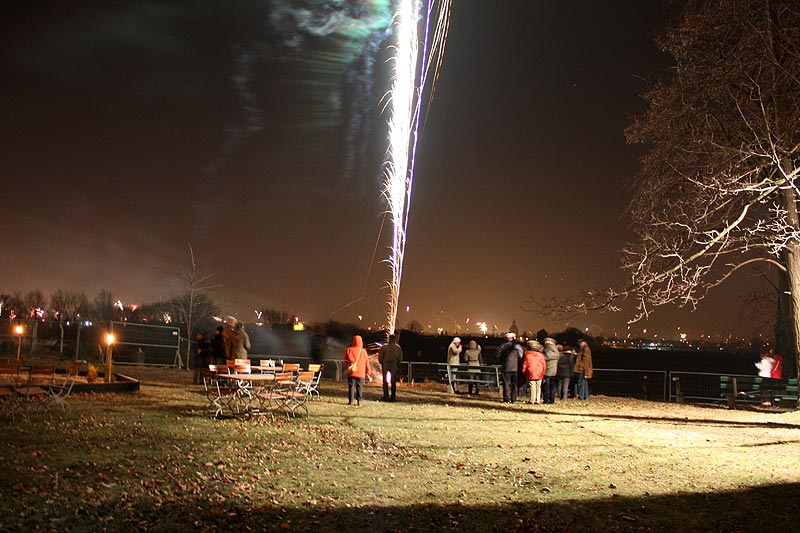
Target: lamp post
(109, 350)
(19, 330)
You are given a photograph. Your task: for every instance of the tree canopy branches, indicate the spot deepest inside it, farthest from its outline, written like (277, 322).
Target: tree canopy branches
(718, 184)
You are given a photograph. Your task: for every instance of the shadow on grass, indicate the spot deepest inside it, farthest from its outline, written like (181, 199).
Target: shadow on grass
(761, 509)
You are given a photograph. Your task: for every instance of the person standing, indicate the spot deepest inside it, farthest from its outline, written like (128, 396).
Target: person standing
(583, 369)
(356, 353)
(777, 365)
(202, 356)
(390, 357)
(472, 357)
(454, 358)
(509, 355)
(551, 356)
(765, 365)
(564, 372)
(533, 368)
(218, 346)
(237, 342)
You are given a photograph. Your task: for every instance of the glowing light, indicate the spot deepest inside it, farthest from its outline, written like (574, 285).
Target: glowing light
(110, 339)
(118, 305)
(19, 330)
(409, 83)
(483, 327)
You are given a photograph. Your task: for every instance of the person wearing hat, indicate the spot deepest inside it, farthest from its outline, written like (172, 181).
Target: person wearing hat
(509, 354)
(454, 358)
(533, 367)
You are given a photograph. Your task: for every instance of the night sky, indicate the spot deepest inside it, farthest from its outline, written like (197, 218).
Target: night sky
(253, 130)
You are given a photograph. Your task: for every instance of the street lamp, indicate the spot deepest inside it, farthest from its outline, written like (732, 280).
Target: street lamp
(19, 330)
(109, 350)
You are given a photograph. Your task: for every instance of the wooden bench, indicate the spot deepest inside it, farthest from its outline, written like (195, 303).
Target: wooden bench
(756, 389)
(456, 374)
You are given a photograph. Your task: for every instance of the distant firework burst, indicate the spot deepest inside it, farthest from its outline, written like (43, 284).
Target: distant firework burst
(418, 23)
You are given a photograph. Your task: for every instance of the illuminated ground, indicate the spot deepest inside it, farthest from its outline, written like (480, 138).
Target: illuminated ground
(154, 460)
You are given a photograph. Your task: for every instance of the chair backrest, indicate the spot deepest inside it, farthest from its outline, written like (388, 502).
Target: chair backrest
(237, 362)
(218, 368)
(42, 374)
(9, 373)
(314, 367)
(74, 368)
(305, 377)
(242, 368)
(284, 380)
(230, 362)
(270, 363)
(291, 367)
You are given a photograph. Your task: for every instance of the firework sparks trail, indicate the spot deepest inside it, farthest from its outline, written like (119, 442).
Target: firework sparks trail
(406, 99)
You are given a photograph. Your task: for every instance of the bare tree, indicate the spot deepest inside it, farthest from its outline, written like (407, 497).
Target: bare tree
(67, 306)
(33, 301)
(103, 306)
(271, 316)
(196, 280)
(718, 188)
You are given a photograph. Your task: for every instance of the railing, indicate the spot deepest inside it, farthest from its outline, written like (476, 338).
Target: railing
(651, 385)
(642, 384)
(145, 344)
(688, 387)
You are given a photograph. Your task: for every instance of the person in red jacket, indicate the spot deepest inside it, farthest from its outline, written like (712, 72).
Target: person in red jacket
(777, 366)
(533, 367)
(356, 353)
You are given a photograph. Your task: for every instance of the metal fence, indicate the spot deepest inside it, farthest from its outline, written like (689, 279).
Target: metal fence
(145, 344)
(651, 385)
(642, 384)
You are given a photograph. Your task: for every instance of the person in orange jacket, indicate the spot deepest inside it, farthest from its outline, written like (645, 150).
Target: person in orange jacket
(533, 368)
(356, 353)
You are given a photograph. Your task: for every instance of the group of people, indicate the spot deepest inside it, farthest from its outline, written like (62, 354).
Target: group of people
(543, 371)
(229, 342)
(770, 365)
(357, 365)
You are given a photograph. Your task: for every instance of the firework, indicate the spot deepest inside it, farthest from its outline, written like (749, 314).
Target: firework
(411, 69)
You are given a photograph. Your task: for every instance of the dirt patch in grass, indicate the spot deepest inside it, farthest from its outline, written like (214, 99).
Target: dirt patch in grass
(156, 460)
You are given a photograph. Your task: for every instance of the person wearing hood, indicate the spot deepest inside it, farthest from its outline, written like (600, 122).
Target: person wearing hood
(533, 367)
(472, 357)
(564, 372)
(551, 356)
(454, 358)
(356, 355)
(236, 340)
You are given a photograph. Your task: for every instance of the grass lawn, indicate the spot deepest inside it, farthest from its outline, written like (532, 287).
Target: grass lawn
(157, 461)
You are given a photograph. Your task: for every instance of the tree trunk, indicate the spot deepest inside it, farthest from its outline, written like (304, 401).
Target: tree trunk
(784, 322)
(793, 277)
(790, 367)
